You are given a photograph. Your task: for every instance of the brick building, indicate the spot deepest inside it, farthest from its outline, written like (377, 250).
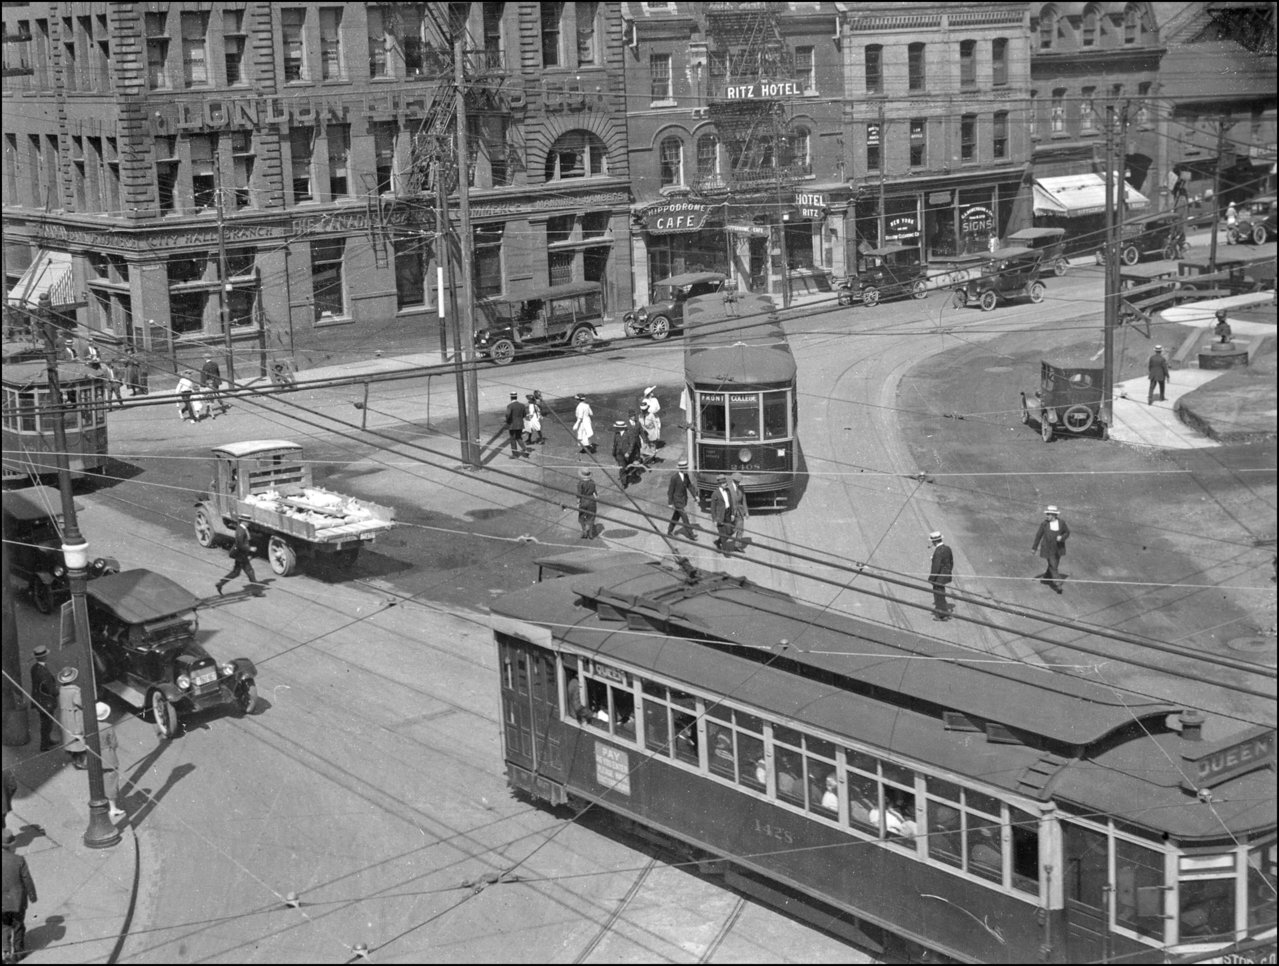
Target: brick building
(737, 144)
(303, 136)
(936, 106)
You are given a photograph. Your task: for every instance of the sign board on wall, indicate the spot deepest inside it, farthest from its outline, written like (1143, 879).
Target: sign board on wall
(675, 217)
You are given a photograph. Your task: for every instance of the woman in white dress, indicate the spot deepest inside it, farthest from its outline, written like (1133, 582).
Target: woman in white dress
(583, 428)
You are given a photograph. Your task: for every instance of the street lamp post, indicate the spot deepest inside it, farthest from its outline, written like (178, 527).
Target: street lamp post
(101, 833)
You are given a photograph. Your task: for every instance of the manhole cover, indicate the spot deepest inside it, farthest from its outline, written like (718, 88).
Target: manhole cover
(1250, 645)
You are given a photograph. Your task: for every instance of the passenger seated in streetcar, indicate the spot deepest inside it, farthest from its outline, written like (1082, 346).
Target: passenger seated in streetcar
(984, 856)
(788, 783)
(830, 797)
(722, 759)
(574, 699)
(861, 809)
(761, 773)
(686, 738)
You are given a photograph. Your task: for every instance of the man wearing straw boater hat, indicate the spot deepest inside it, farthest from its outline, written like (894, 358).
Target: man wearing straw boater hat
(1050, 542)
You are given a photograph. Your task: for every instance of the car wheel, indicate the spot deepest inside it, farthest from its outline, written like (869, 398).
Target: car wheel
(1232, 236)
(870, 297)
(1037, 292)
(631, 328)
(582, 338)
(1060, 267)
(960, 298)
(41, 595)
(502, 351)
(162, 713)
(989, 300)
(918, 289)
(1045, 428)
(845, 297)
(204, 533)
(282, 557)
(246, 696)
(659, 328)
(1259, 235)
(1130, 255)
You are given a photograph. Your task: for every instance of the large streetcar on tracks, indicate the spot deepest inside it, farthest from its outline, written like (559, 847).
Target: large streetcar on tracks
(739, 397)
(29, 449)
(916, 798)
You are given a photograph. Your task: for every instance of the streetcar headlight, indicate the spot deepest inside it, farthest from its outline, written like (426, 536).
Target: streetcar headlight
(744, 455)
(184, 682)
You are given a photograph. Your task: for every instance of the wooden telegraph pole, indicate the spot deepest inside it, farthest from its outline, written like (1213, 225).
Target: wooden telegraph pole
(1111, 276)
(468, 388)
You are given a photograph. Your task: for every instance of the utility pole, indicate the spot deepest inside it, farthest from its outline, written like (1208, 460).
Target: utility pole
(1216, 195)
(883, 159)
(101, 833)
(224, 284)
(1111, 291)
(441, 249)
(468, 388)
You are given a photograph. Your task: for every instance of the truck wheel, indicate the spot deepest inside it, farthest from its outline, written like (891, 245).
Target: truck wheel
(502, 351)
(1130, 255)
(989, 300)
(205, 535)
(659, 327)
(918, 289)
(281, 556)
(582, 338)
(246, 696)
(162, 713)
(870, 297)
(41, 595)
(1037, 291)
(346, 558)
(1060, 267)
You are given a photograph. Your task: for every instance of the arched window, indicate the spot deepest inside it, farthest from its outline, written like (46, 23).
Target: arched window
(799, 151)
(577, 154)
(1132, 24)
(1089, 36)
(707, 158)
(670, 160)
(1047, 27)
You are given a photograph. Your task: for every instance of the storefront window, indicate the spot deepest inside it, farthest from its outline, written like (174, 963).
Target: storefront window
(976, 220)
(902, 227)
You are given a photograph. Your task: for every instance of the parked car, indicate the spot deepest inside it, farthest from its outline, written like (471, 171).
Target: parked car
(1257, 222)
(1049, 242)
(1163, 236)
(33, 532)
(889, 272)
(541, 320)
(665, 314)
(1005, 274)
(145, 651)
(1068, 401)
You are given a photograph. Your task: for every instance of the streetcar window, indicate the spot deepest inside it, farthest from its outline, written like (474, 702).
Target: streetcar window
(863, 800)
(624, 713)
(750, 755)
(945, 832)
(28, 407)
(685, 736)
(775, 410)
(1261, 886)
(1139, 879)
(721, 744)
(789, 777)
(1207, 890)
(712, 417)
(657, 729)
(1025, 847)
(985, 848)
(744, 418)
(72, 413)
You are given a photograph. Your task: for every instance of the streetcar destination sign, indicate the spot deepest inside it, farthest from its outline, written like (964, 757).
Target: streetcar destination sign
(1212, 764)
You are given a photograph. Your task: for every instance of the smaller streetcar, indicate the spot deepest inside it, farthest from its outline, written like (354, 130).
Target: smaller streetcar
(739, 397)
(922, 801)
(30, 452)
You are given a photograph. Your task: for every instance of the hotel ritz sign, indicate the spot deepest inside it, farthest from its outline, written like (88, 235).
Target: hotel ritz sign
(762, 90)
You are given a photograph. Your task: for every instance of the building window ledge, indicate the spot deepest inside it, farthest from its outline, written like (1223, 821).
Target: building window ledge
(670, 102)
(334, 320)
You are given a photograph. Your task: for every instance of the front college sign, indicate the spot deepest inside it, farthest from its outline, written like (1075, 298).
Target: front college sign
(675, 217)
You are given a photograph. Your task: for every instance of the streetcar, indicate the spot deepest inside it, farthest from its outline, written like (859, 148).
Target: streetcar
(29, 449)
(739, 397)
(884, 784)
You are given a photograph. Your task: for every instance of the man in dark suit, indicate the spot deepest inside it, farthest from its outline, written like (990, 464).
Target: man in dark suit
(678, 490)
(939, 575)
(242, 554)
(1050, 542)
(515, 413)
(44, 691)
(722, 514)
(211, 379)
(18, 890)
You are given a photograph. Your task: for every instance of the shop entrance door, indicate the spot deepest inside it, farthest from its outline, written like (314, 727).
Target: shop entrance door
(595, 269)
(759, 264)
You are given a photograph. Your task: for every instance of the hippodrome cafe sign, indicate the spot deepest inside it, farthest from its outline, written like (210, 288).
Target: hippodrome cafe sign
(674, 217)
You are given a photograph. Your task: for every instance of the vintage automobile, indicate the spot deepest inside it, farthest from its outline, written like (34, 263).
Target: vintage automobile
(1163, 236)
(665, 313)
(33, 532)
(888, 272)
(1005, 274)
(541, 320)
(1257, 222)
(146, 651)
(1068, 401)
(1049, 242)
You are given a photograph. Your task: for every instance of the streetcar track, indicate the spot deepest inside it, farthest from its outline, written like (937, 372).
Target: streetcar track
(725, 928)
(607, 926)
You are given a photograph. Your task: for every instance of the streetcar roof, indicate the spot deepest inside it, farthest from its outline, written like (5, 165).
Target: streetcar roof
(588, 561)
(24, 375)
(138, 596)
(757, 353)
(253, 447)
(33, 503)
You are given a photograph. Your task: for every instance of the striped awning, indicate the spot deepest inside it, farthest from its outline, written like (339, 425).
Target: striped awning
(1079, 194)
(50, 272)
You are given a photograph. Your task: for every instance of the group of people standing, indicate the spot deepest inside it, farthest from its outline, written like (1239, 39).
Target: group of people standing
(197, 399)
(124, 370)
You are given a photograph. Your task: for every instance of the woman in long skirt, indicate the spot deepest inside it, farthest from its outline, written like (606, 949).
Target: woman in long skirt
(584, 428)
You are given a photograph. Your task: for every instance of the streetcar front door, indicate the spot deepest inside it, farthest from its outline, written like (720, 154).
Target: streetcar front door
(530, 710)
(1086, 892)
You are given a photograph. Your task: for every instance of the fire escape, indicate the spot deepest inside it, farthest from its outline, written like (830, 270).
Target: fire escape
(750, 72)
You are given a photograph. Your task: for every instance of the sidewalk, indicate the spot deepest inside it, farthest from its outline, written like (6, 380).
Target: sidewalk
(86, 895)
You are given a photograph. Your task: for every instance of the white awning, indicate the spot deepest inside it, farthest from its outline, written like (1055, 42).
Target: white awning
(1079, 194)
(50, 272)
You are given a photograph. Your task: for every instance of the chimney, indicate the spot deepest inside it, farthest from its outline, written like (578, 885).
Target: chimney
(1192, 725)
